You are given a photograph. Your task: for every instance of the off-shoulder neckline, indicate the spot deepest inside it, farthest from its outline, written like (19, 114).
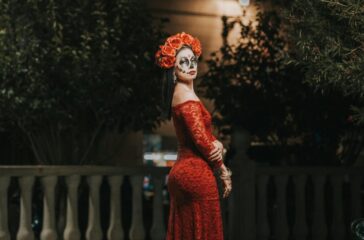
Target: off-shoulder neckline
(187, 101)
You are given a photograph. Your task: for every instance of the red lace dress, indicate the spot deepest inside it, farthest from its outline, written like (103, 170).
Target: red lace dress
(194, 199)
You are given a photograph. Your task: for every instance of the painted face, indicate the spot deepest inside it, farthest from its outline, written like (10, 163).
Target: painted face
(186, 65)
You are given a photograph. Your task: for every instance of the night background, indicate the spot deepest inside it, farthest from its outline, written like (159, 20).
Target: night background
(85, 152)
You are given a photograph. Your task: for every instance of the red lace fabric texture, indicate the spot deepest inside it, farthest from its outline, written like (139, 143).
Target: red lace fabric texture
(195, 212)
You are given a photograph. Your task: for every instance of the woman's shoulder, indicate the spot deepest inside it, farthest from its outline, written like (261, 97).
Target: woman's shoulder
(180, 100)
(180, 97)
(187, 102)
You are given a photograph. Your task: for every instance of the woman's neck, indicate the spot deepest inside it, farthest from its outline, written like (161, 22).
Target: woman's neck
(186, 85)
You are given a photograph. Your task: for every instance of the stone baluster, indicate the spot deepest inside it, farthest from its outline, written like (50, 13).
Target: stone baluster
(115, 230)
(137, 226)
(158, 231)
(25, 231)
(338, 226)
(319, 228)
(281, 226)
(355, 185)
(242, 221)
(263, 231)
(72, 231)
(4, 228)
(49, 226)
(300, 229)
(94, 231)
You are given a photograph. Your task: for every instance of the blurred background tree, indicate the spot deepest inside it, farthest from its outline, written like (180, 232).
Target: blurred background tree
(73, 71)
(253, 87)
(327, 37)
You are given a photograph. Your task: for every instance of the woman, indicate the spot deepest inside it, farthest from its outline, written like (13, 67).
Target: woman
(194, 200)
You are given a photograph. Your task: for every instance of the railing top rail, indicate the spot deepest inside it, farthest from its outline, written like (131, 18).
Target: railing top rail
(319, 170)
(65, 170)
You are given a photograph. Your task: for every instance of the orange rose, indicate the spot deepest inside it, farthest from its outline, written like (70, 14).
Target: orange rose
(158, 54)
(174, 41)
(196, 47)
(158, 61)
(167, 62)
(168, 50)
(186, 38)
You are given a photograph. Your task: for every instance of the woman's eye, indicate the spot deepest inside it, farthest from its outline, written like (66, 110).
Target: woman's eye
(183, 62)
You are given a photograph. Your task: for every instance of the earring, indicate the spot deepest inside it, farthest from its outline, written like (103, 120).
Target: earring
(174, 78)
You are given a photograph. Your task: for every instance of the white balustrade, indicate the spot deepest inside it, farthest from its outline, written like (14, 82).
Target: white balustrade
(265, 228)
(25, 231)
(4, 228)
(137, 231)
(49, 225)
(115, 231)
(48, 175)
(93, 231)
(72, 231)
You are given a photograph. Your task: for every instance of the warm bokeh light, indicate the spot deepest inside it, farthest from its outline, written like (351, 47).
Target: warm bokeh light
(244, 3)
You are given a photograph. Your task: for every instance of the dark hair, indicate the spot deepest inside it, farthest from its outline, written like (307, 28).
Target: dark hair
(168, 89)
(167, 94)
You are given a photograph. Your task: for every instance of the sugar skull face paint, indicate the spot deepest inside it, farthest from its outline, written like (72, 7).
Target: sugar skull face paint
(186, 65)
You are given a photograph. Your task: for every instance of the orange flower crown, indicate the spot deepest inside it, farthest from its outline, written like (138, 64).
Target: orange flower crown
(166, 55)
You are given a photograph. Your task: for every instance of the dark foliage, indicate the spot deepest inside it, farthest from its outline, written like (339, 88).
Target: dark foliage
(253, 87)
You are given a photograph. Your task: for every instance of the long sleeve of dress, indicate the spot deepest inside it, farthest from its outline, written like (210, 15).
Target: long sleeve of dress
(191, 115)
(220, 161)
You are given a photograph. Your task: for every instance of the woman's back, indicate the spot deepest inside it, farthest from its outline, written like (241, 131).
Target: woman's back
(195, 205)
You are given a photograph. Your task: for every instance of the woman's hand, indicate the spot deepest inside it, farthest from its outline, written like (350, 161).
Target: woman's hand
(217, 153)
(225, 176)
(227, 187)
(220, 145)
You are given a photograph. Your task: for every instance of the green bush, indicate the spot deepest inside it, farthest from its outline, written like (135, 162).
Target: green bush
(327, 37)
(253, 87)
(73, 70)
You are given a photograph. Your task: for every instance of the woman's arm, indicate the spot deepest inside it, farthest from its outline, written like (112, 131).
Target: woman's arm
(217, 143)
(191, 115)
